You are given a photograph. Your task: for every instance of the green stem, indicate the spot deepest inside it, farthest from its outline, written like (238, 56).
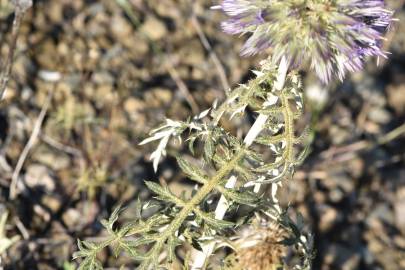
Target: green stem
(188, 208)
(289, 127)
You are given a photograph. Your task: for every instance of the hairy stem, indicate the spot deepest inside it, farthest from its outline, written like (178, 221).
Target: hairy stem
(202, 256)
(222, 207)
(289, 127)
(206, 189)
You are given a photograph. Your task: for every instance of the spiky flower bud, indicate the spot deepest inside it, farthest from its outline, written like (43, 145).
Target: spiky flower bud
(331, 36)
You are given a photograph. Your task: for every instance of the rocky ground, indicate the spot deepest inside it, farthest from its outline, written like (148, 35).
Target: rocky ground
(111, 70)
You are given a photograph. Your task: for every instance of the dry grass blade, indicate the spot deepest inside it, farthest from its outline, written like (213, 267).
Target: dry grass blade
(31, 142)
(220, 69)
(181, 86)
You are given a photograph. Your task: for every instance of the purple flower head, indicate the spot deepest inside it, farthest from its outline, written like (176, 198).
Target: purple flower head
(331, 36)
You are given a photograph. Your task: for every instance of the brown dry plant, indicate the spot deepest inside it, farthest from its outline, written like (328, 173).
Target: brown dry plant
(260, 247)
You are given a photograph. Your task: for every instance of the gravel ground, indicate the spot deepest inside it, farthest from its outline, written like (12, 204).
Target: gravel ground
(111, 72)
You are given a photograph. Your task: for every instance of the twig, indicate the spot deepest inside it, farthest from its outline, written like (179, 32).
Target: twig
(392, 135)
(32, 140)
(25, 234)
(181, 85)
(212, 54)
(344, 153)
(60, 146)
(21, 6)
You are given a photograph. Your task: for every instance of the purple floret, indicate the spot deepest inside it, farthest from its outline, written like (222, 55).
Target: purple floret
(334, 37)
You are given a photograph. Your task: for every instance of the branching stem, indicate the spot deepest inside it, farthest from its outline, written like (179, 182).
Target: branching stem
(206, 189)
(289, 127)
(201, 257)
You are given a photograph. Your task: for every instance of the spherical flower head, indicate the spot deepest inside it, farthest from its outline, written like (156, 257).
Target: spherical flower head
(331, 36)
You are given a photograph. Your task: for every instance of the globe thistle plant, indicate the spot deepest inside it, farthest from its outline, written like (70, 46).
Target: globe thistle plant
(332, 37)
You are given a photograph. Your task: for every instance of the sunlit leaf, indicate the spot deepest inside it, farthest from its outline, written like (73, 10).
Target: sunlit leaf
(192, 171)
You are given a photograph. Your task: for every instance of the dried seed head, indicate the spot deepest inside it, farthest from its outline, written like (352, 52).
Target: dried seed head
(331, 36)
(259, 248)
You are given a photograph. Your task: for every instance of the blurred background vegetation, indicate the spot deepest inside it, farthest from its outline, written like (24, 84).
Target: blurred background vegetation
(105, 72)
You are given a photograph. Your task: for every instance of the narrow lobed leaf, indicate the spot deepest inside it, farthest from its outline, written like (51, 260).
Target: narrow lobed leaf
(163, 192)
(210, 220)
(193, 172)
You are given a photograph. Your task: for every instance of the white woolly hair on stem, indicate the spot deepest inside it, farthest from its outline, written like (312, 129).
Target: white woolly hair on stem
(200, 257)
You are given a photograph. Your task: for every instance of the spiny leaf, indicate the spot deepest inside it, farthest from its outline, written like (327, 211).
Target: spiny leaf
(90, 263)
(303, 155)
(209, 149)
(271, 111)
(246, 197)
(87, 251)
(234, 142)
(108, 224)
(295, 229)
(210, 220)
(117, 249)
(79, 254)
(305, 136)
(193, 172)
(172, 243)
(253, 156)
(132, 227)
(86, 245)
(138, 209)
(270, 140)
(143, 240)
(114, 216)
(129, 246)
(289, 241)
(270, 166)
(163, 193)
(191, 141)
(244, 172)
(135, 255)
(156, 220)
(300, 221)
(151, 260)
